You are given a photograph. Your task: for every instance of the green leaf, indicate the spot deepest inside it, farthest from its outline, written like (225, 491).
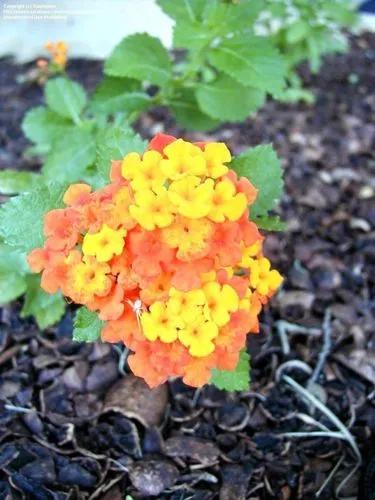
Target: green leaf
(270, 223)
(191, 35)
(183, 9)
(227, 100)
(236, 380)
(315, 54)
(13, 268)
(22, 216)
(251, 60)
(262, 167)
(341, 12)
(42, 126)
(114, 143)
(297, 31)
(70, 157)
(15, 181)
(293, 94)
(187, 113)
(87, 326)
(115, 95)
(47, 309)
(231, 17)
(142, 57)
(65, 97)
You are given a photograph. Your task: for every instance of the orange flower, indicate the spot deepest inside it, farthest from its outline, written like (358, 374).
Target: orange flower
(124, 329)
(111, 306)
(77, 194)
(225, 243)
(160, 141)
(243, 185)
(38, 259)
(60, 227)
(57, 271)
(187, 275)
(198, 370)
(156, 290)
(150, 254)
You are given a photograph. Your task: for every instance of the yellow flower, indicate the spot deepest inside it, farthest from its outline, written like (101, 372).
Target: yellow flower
(183, 159)
(197, 335)
(226, 203)
(186, 304)
(152, 209)
(262, 278)
(89, 278)
(191, 198)
(160, 323)
(221, 301)
(190, 236)
(104, 244)
(245, 302)
(149, 174)
(130, 165)
(216, 154)
(248, 253)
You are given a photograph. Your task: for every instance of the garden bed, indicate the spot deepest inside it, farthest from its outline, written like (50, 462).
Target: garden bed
(80, 429)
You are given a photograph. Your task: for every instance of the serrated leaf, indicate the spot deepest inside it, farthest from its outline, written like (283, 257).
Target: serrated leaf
(13, 269)
(236, 380)
(114, 143)
(87, 326)
(47, 309)
(231, 17)
(187, 113)
(42, 126)
(262, 167)
(70, 157)
(142, 57)
(270, 223)
(65, 97)
(115, 95)
(22, 216)
(251, 60)
(12, 286)
(191, 35)
(183, 9)
(15, 181)
(227, 100)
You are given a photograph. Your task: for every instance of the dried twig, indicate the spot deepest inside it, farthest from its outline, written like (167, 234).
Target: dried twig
(342, 433)
(330, 476)
(18, 409)
(327, 344)
(293, 363)
(123, 356)
(284, 327)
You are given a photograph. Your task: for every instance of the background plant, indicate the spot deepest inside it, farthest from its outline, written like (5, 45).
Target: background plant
(305, 30)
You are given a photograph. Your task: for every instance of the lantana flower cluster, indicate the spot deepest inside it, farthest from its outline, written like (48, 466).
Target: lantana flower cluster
(59, 58)
(167, 257)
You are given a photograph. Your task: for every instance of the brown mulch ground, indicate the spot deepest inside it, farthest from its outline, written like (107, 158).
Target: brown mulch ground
(86, 431)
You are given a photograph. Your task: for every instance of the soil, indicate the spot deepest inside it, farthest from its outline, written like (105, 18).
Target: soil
(72, 426)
